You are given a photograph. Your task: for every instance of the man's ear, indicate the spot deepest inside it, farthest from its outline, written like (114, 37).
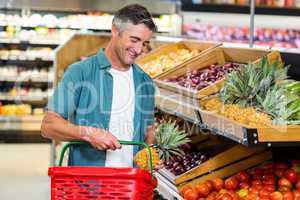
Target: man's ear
(114, 31)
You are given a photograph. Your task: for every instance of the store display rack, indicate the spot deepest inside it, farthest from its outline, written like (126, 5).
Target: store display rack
(188, 109)
(251, 146)
(241, 9)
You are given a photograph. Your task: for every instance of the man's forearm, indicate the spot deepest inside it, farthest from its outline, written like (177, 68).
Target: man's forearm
(57, 128)
(150, 135)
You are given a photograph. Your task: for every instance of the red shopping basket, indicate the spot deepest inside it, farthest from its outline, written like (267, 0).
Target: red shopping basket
(95, 183)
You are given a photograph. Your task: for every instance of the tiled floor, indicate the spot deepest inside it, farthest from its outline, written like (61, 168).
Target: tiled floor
(23, 171)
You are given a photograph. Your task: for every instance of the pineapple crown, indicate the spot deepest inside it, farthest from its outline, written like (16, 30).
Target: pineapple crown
(242, 86)
(169, 139)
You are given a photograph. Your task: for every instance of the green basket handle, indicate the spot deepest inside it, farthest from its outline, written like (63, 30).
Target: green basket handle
(69, 144)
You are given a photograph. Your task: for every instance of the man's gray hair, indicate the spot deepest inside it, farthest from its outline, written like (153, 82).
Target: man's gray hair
(133, 14)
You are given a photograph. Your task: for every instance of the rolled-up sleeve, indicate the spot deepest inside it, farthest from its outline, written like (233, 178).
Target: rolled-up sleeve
(150, 104)
(66, 96)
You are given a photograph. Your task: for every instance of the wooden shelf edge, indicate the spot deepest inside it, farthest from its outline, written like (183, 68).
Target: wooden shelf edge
(232, 169)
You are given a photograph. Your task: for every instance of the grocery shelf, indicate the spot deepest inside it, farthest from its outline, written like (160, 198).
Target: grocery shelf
(37, 79)
(189, 110)
(25, 59)
(38, 41)
(155, 7)
(241, 9)
(166, 188)
(37, 98)
(31, 124)
(178, 105)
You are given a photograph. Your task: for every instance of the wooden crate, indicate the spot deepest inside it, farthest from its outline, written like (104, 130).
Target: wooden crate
(241, 131)
(220, 56)
(221, 161)
(79, 45)
(172, 47)
(231, 169)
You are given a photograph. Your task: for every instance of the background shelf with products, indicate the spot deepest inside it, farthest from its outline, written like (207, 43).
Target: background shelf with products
(269, 7)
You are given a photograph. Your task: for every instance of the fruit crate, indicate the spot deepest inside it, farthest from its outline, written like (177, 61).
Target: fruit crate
(165, 49)
(248, 135)
(222, 163)
(217, 56)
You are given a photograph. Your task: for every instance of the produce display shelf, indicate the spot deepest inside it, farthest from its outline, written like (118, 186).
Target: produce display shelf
(26, 79)
(30, 124)
(175, 104)
(27, 59)
(166, 188)
(23, 98)
(189, 109)
(241, 9)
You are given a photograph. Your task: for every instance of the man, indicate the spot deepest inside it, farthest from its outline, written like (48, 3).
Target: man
(107, 97)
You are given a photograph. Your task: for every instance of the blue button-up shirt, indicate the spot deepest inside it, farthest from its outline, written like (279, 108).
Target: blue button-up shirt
(84, 96)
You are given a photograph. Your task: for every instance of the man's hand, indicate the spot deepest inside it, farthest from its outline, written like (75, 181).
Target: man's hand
(159, 166)
(100, 138)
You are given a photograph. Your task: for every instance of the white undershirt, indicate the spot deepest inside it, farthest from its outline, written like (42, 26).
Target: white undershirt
(121, 120)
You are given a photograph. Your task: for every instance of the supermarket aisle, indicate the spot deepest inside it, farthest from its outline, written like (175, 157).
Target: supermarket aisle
(23, 171)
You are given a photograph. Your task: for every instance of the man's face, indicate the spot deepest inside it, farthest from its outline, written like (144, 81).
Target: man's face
(130, 42)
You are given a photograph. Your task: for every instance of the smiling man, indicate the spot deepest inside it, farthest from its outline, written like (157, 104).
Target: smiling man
(107, 97)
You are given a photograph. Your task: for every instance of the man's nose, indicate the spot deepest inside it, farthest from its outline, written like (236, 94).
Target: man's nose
(138, 48)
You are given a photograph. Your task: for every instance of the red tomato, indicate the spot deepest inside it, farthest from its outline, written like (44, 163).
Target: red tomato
(184, 189)
(202, 190)
(256, 182)
(190, 195)
(212, 196)
(296, 195)
(244, 185)
(288, 195)
(270, 188)
(209, 184)
(225, 196)
(252, 197)
(264, 193)
(253, 190)
(291, 175)
(231, 183)
(259, 187)
(242, 176)
(218, 184)
(269, 182)
(235, 196)
(283, 182)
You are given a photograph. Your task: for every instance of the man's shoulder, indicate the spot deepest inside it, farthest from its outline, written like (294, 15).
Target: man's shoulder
(145, 76)
(147, 80)
(82, 68)
(84, 64)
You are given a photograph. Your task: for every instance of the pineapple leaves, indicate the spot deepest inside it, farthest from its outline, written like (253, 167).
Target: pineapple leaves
(169, 138)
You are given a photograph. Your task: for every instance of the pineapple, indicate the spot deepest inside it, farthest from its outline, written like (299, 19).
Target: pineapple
(168, 140)
(243, 85)
(281, 104)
